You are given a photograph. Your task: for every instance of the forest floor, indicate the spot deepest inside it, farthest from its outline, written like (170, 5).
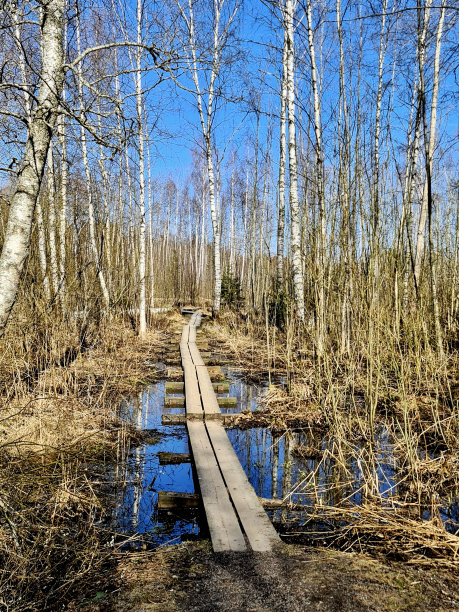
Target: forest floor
(73, 405)
(191, 577)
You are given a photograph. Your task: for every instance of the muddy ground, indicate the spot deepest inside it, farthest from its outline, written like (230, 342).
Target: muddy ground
(189, 577)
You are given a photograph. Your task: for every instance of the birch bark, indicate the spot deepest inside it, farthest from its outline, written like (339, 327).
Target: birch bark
(431, 149)
(17, 235)
(142, 230)
(92, 223)
(298, 280)
(320, 186)
(282, 164)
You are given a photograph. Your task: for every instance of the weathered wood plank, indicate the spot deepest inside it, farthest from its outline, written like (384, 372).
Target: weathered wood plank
(192, 397)
(259, 530)
(215, 373)
(178, 387)
(195, 355)
(194, 402)
(181, 419)
(173, 419)
(173, 458)
(208, 397)
(223, 524)
(170, 499)
(175, 499)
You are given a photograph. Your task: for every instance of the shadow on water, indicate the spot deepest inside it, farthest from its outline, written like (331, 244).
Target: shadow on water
(271, 461)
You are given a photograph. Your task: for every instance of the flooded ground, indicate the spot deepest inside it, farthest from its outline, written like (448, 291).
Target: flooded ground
(271, 461)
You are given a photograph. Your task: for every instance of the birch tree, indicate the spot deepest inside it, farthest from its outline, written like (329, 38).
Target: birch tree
(205, 99)
(298, 280)
(282, 164)
(140, 135)
(30, 175)
(430, 149)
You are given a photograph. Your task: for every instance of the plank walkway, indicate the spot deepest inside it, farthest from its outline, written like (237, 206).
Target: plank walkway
(235, 516)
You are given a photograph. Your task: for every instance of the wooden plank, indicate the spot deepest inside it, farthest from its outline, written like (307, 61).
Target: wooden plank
(201, 344)
(181, 419)
(223, 524)
(209, 399)
(195, 355)
(259, 530)
(196, 408)
(215, 373)
(174, 387)
(178, 387)
(173, 419)
(185, 334)
(192, 397)
(173, 458)
(170, 499)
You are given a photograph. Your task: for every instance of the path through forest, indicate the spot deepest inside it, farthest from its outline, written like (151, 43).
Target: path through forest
(190, 577)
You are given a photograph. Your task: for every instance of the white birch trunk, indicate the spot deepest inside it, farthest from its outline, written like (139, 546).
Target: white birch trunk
(63, 211)
(42, 248)
(92, 224)
(320, 188)
(232, 266)
(282, 164)
(430, 152)
(298, 280)
(142, 233)
(52, 222)
(17, 236)
(376, 162)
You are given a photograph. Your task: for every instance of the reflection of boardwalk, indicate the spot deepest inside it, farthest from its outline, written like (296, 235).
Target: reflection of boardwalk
(234, 514)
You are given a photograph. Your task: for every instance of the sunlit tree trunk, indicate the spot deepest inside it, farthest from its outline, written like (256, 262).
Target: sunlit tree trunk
(92, 224)
(140, 134)
(344, 192)
(375, 212)
(40, 129)
(52, 222)
(63, 211)
(293, 172)
(282, 164)
(431, 150)
(320, 179)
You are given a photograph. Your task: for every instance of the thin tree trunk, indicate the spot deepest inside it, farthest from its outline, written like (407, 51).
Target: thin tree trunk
(376, 164)
(63, 211)
(320, 265)
(298, 280)
(431, 150)
(282, 164)
(52, 222)
(92, 224)
(142, 259)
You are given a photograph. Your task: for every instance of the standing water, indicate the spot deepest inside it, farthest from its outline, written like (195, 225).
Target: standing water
(271, 461)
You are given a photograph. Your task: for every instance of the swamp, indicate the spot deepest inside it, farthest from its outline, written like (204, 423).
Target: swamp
(229, 306)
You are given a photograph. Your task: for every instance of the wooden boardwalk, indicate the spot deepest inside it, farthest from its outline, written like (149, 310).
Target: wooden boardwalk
(235, 516)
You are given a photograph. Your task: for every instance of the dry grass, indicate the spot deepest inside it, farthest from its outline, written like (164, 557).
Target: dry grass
(58, 428)
(373, 528)
(410, 392)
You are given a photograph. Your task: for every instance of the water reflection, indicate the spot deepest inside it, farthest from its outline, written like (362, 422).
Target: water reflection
(139, 476)
(323, 474)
